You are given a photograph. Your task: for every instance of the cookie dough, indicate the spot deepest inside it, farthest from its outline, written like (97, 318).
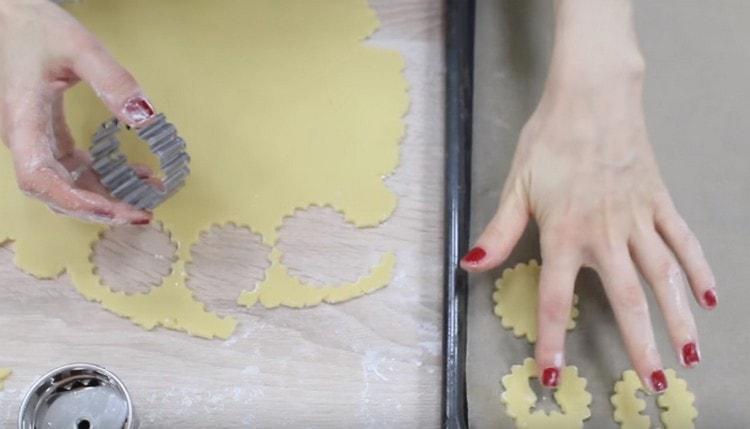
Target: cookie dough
(571, 396)
(676, 403)
(283, 106)
(516, 297)
(4, 373)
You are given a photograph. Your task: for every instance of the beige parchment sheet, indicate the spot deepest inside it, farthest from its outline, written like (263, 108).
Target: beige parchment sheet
(697, 102)
(282, 105)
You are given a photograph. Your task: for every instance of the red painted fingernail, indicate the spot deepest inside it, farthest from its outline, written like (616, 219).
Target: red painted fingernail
(138, 109)
(550, 377)
(475, 255)
(710, 298)
(141, 222)
(659, 381)
(690, 355)
(104, 213)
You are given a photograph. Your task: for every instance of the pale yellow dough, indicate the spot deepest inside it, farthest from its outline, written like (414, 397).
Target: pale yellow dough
(516, 298)
(571, 396)
(283, 106)
(4, 374)
(676, 403)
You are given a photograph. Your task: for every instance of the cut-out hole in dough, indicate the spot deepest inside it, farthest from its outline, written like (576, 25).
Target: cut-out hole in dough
(521, 401)
(133, 259)
(224, 262)
(545, 397)
(333, 252)
(675, 405)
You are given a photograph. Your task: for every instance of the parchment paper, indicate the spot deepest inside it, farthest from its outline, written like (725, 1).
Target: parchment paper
(698, 112)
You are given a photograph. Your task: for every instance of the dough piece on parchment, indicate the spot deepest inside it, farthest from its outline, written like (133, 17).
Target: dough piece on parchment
(4, 374)
(571, 396)
(283, 106)
(676, 403)
(516, 297)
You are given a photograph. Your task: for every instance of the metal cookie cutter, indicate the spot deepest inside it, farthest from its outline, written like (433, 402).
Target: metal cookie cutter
(121, 179)
(77, 396)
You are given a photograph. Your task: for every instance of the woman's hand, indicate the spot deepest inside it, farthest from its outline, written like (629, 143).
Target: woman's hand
(43, 52)
(584, 169)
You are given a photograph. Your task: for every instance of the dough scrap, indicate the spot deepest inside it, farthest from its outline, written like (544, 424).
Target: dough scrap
(571, 396)
(516, 297)
(282, 106)
(676, 403)
(4, 374)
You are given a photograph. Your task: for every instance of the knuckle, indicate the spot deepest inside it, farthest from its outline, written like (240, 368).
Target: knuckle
(632, 299)
(554, 308)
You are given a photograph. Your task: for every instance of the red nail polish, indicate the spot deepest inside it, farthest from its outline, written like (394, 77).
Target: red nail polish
(659, 381)
(710, 298)
(141, 222)
(475, 255)
(104, 213)
(550, 377)
(690, 354)
(138, 109)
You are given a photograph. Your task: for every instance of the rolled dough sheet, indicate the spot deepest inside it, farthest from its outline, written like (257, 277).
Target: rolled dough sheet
(283, 106)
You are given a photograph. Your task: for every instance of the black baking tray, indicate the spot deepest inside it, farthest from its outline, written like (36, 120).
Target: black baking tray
(459, 98)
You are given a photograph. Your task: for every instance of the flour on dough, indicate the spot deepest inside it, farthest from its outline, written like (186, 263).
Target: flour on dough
(516, 298)
(570, 395)
(676, 403)
(283, 106)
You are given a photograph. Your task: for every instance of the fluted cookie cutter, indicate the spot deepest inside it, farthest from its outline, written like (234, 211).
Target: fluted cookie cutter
(78, 396)
(121, 179)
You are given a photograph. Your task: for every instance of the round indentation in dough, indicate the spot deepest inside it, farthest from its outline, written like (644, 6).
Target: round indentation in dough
(133, 259)
(571, 396)
(676, 403)
(320, 247)
(224, 261)
(516, 297)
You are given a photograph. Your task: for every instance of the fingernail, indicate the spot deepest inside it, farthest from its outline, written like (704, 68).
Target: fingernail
(104, 213)
(658, 381)
(475, 255)
(138, 109)
(690, 355)
(550, 377)
(141, 222)
(710, 298)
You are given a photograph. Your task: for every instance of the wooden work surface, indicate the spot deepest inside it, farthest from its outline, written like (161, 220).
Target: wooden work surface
(370, 362)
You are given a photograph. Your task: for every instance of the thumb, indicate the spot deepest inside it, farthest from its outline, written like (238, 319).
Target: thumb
(500, 236)
(116, 87)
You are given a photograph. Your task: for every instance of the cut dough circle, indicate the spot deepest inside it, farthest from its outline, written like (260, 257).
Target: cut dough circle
(676, 403)
(571, 396)
(516, 297)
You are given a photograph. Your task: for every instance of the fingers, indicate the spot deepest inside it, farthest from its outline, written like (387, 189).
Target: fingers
(556, 284)
(500, 236)
(686, 247)
(660, 268)
(39, 173)
(46, 184)
(631, 311)
(115, 86)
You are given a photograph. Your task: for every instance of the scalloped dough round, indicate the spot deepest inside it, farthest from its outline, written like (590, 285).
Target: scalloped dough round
(571, 396)
(676, 403)
(516, 297)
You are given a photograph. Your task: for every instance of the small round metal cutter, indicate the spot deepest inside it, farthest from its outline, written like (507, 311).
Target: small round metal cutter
(121, 179)
(77, 396)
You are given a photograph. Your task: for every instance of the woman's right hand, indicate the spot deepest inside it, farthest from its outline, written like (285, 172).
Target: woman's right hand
(43, 52)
